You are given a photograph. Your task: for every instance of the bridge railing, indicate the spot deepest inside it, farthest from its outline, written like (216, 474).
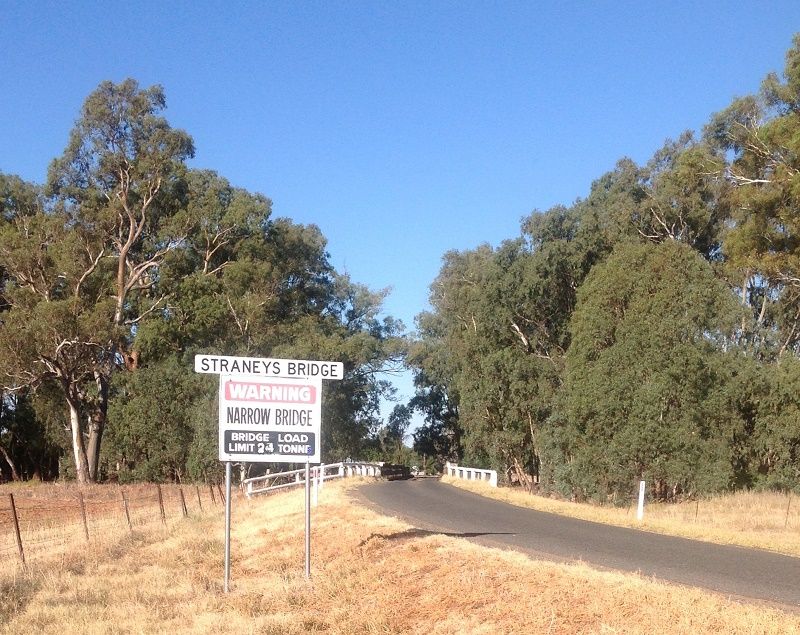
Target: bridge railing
(471, 473)
(318, 473)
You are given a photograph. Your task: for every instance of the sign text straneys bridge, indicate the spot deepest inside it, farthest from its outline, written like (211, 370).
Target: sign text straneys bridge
(267, 367)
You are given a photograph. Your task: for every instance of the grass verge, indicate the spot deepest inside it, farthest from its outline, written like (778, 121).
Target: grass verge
(370, 574)
(747, 519)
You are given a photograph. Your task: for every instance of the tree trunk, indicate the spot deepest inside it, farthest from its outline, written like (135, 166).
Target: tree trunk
(523, 477)
(97, 425)
(535, 474)
(14, 473)
(78, 449)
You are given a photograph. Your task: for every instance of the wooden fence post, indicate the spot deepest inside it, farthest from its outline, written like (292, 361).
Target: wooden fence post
(788, 504)
(127, 511)
(211, 489)
(16, 528)
(161, 505)
(199, 502)
(183, 502)
(83, 515)
(221, 493)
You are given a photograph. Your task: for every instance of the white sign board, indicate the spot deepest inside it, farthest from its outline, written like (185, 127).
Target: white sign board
(265, 419)
(267, 367)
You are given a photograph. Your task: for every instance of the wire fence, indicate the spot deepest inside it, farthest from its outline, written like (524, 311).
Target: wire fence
(42, 522)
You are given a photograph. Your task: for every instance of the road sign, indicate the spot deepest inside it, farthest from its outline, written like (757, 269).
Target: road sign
(270, 411)
(269, 419)
(267, 367)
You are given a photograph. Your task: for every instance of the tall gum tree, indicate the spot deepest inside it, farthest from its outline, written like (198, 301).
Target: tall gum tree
(643, 377)
(758, 137)
(83, 268)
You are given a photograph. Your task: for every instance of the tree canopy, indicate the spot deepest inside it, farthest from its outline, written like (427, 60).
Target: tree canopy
(650, 330)
(125, 264)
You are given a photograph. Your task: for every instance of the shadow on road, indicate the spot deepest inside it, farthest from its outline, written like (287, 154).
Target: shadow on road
(421, 533)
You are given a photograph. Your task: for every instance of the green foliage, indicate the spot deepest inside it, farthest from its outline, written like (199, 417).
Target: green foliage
(607, 344)
(128, 263)
(776, 442)
(27, 447)
(645, 362)
(151, 431)
(494, 346)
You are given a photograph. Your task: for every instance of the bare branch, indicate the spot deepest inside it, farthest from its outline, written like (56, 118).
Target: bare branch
(89, 271)
(152, 308)
(521, 335)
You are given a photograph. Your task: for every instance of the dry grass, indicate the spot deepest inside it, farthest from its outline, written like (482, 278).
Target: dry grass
(371, 574)
(50, 518)
(748, 519)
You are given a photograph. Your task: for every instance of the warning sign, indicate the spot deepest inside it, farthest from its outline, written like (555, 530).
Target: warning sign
(269, 419)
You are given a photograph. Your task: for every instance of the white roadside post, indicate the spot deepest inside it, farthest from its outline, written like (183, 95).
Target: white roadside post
(640, 508)
(270, 411)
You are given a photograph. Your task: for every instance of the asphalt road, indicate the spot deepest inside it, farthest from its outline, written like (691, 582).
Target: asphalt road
(436, 507)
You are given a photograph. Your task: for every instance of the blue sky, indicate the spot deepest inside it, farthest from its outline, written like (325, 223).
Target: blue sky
(402, 129)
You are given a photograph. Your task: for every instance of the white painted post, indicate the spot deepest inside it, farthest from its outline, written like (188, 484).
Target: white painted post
(321, 476)
(640, 508)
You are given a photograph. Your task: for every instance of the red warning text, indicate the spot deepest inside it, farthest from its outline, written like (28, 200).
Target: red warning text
(270, 393)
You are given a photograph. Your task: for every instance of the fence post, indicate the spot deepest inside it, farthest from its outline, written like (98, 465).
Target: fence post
(786, 522)
(213, 498)
(127, 511)
(221, 494)
(16, 528)
(83, 515)
(199, 502)
(183, 502)
(161, 505)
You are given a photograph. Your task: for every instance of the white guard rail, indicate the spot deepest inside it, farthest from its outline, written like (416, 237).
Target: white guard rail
(319, 474)
(471, 473)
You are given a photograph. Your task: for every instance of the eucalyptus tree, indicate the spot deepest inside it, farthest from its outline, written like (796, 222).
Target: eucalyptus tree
(758, 135)
(82, 269)
(498, 335)
(644, 378)
(130, 261)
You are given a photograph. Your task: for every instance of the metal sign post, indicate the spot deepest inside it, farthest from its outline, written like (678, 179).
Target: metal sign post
(308, 521)
(227, 524)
